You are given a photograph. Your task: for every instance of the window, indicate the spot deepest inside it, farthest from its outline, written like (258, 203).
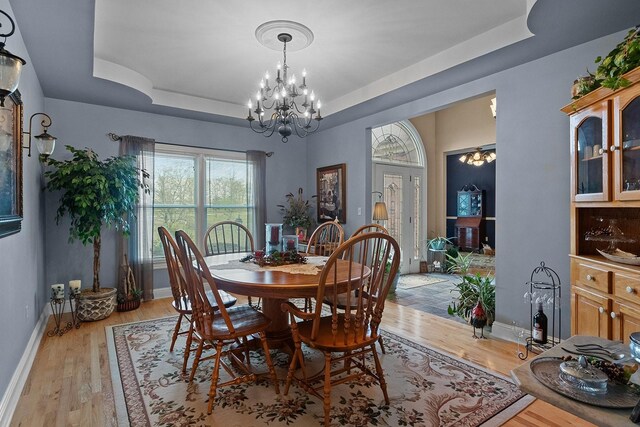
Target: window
(195, 188)
(397, 143)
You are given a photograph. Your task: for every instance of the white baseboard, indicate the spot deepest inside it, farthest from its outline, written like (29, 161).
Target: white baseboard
(14, 389)
(19, 378)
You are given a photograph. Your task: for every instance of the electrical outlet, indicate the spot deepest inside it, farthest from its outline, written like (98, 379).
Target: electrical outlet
(359, 211)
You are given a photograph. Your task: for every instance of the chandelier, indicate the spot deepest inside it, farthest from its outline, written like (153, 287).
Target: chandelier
(279, 108)
(478, 157)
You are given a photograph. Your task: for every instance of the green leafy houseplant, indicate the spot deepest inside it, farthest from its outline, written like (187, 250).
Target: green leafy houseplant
(95, 193)
(296, 211)
(438, 243)
(459, 263)
(471, 290)
(622, 59)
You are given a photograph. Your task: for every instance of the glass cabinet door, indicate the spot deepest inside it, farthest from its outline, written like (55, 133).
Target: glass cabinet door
(590, 164)
(627, 148)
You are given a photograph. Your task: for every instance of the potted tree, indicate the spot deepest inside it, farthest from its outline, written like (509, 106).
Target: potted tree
(95, 193)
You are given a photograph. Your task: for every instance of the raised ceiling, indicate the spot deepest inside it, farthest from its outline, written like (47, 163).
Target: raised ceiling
(205, 56)
(200, 58)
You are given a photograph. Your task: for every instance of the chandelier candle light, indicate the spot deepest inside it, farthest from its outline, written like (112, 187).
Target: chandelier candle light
(277, 108)
(478, 158)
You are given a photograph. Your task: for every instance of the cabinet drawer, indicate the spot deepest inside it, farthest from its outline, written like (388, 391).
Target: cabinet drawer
(627, 286)
(591, 276)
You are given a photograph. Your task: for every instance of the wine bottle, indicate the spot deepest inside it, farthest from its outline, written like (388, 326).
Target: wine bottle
(540, 326)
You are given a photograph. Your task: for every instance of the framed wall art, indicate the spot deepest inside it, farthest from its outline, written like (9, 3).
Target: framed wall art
(11, 165)
(331, 184)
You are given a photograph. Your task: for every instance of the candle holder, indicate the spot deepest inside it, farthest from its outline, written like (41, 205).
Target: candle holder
(57, 308)
(73, 305)
(273, 238)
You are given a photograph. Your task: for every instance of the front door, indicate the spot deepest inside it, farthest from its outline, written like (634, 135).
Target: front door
(401, 187)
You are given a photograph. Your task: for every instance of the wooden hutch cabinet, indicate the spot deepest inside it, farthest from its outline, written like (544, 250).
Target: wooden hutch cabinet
(469, 222)
(605, 211)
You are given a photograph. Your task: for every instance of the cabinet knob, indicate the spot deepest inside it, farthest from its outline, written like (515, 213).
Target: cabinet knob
(602, 310)
(630, 290)
(601, 151)
(613, 148)
(613, 315)
(590, 277)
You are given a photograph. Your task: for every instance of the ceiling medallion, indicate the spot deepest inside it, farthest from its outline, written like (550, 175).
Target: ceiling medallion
(279, 108)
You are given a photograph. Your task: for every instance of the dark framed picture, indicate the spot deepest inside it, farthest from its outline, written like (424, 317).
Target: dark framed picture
(11, 165)
(331, 184)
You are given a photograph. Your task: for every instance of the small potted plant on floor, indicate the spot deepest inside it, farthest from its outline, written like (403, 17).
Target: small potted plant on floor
(470, 290)
(129, 295)
(95, 193)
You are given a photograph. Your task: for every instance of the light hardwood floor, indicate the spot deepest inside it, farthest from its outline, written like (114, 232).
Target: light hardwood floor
(70, 382)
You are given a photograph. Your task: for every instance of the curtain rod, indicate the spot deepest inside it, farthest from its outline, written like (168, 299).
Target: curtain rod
(116, 137)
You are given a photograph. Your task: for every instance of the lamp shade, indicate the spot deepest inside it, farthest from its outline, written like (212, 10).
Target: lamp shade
(10, 69)
(46, 143)
(380, 212)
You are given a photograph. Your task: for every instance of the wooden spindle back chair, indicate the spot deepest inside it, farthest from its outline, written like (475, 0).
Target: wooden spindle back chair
(181, 302)
(360, 264)
(369, 228)
(325, 239)
(228, 237)
(222, 327)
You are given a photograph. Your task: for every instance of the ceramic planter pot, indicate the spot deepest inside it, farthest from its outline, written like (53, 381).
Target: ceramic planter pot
(96, 305)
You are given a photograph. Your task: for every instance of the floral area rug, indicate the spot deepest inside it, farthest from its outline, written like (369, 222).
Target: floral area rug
(426, 388)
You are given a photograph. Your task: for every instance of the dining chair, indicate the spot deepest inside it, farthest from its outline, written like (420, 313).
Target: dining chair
(345, 336)
(369, 228)
(223, 327)
(342, 298)
(229, 237)
(181, 302)
(323, 241)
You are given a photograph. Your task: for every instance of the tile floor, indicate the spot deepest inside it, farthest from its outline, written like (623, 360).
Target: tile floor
(432, 299)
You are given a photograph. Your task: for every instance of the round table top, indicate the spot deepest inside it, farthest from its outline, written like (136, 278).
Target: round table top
(272, 284)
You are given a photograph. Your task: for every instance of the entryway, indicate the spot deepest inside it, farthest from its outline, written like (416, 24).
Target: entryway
(433, 292)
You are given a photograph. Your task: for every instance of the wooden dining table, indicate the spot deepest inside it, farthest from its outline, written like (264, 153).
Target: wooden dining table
(277, 287)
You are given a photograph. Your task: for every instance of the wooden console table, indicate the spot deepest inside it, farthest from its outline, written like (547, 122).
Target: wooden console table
(528, 383)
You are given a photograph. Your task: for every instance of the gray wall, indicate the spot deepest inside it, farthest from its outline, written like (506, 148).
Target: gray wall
(21, 255)
(86, 125)
(532, 170)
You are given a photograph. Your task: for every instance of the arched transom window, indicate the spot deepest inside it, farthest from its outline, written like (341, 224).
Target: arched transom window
(397, 143)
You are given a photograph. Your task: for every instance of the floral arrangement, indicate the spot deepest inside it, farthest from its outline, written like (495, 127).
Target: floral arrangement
(296, 212)
(276, 258)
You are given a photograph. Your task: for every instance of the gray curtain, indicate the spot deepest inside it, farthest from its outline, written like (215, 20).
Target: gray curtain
(258, 192)
(138, 246)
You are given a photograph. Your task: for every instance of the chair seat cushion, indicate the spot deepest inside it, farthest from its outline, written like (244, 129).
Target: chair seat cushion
(184, 306)
(326, 341)
(245, 321)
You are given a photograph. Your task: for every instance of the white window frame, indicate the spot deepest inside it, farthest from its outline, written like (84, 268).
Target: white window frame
(201, 155)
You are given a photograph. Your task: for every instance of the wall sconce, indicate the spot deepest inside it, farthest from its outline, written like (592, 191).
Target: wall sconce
(380, 208)
(493, 107)
(45, 142)
(10, 65)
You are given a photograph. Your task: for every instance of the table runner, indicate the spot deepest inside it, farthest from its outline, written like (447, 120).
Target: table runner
(312, 267)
